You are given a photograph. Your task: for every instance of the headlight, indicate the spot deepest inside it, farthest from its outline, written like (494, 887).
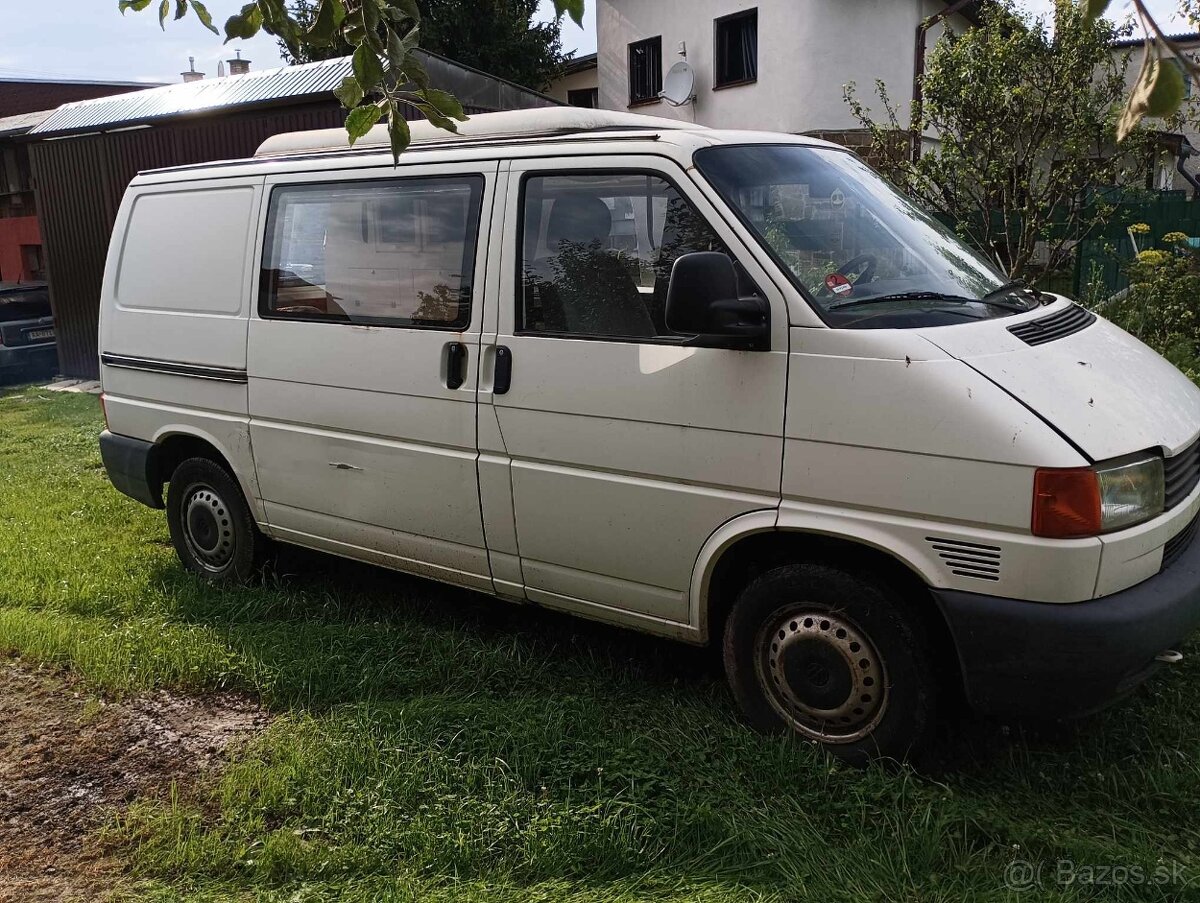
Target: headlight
(1088, 501)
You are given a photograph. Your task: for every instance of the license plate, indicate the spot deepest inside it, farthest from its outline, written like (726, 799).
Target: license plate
(39, 334)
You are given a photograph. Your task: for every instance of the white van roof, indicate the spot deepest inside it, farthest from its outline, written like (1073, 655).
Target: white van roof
(511, 124)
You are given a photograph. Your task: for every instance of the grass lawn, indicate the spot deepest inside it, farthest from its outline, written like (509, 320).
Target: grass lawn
(437, 745)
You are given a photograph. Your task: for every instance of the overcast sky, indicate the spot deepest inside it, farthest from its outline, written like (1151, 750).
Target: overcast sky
(90, 39)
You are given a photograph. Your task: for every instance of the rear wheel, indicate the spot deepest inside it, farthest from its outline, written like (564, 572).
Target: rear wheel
(211, 526)
(840, 660)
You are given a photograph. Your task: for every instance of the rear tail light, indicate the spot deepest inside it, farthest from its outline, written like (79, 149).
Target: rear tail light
(104, 410)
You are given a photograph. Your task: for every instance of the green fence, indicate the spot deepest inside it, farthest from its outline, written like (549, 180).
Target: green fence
(1101, 259)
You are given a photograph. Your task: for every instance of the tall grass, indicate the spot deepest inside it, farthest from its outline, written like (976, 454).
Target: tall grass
(435, 744)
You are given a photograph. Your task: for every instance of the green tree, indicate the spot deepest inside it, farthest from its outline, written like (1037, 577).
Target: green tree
(387, 74)
(1020, 123)
(499, 37)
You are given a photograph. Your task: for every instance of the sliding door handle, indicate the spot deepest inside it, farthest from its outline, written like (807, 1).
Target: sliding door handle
(456, 358)
(503, 378)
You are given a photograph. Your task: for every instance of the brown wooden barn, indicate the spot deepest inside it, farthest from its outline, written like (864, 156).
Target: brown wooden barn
(85, 154)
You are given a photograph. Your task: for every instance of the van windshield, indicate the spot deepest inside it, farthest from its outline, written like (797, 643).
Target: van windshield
(865, 255)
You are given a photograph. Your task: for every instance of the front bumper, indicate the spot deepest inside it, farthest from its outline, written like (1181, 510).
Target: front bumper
(1045, 660)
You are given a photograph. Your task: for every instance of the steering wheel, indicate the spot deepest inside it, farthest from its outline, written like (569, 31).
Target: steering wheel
(868, 270)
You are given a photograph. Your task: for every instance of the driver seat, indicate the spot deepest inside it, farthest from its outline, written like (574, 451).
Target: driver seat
(583, 287)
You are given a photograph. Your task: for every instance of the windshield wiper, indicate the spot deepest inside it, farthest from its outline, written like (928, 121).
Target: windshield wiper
(929, 296)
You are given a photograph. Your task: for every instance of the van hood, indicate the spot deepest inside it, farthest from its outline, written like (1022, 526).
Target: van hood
(1104, 390)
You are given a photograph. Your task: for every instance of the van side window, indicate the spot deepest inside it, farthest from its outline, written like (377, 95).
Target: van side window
(391, 253)
(598, 250)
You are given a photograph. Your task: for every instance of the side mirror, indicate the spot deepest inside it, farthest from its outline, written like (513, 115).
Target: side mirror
(702, 300)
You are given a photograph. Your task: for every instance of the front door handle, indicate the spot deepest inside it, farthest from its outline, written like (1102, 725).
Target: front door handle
(456, 356)
(503, 378)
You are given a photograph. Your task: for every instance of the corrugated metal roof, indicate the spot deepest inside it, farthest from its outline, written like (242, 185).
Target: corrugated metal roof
(196, 97)
(473, 88)
(22, 122)
(1186, 37)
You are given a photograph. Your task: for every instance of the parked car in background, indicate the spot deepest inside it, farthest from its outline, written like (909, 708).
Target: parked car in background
(26, 328)
(712, 385)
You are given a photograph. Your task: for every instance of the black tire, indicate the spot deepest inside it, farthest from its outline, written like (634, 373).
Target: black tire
(839, 660)
(211, 526)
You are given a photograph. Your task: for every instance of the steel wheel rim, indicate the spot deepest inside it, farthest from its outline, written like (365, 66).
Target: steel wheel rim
(821, 673)
(208, 529)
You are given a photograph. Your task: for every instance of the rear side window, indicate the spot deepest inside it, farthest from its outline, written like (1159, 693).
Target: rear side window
(391, 253)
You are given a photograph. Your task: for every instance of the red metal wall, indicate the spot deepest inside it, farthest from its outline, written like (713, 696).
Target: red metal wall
(16, 231)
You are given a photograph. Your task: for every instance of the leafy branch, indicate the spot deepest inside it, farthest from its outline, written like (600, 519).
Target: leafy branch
(387, 77)
(1159, 89)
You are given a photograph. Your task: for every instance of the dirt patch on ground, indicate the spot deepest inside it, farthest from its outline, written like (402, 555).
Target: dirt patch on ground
(70, 759)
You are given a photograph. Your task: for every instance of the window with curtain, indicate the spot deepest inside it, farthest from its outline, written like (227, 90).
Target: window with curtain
(645, 70)
(736, 48)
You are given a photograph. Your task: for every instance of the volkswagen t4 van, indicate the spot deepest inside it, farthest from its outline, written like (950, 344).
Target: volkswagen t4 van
(719, 386)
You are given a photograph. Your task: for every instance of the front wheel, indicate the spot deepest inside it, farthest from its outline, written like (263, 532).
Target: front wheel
(211, 526)
(840, 660)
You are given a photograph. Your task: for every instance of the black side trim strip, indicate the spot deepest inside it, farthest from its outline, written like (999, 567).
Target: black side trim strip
(174, 368)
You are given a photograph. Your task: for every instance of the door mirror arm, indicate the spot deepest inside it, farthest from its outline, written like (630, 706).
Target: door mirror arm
(744, 326)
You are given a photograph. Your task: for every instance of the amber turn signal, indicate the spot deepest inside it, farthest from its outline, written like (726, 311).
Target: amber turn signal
(1066, 503)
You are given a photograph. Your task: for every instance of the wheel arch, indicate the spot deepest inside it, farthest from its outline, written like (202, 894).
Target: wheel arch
(174, 444)
(751, 544)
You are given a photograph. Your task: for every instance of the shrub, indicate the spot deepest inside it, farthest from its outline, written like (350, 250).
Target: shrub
(1162, 304)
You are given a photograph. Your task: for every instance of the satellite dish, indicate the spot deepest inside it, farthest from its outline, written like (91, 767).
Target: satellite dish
(679, 85)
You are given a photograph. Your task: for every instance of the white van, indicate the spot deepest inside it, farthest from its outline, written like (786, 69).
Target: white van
(718, 386)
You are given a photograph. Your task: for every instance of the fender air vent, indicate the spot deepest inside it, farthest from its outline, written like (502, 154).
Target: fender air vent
(968, 559)
(1056, 326)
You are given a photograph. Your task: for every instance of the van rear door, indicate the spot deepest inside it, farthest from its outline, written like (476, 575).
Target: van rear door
(362, 360)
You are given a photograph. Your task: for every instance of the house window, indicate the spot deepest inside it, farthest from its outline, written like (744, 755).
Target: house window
(645, 70)
(736, 39)
(589, 98)
(393, 253)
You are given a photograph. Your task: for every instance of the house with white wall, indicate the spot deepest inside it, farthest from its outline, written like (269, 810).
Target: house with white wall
(1179, 139)
(579, 84)
(766, 64)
